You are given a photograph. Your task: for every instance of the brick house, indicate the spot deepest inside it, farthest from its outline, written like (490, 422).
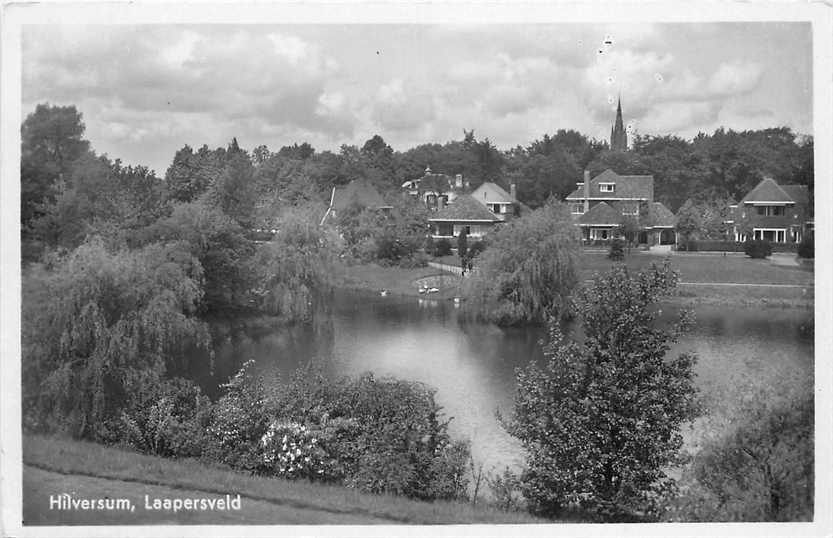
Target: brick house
(601, 205)
(777, 213)
(478, 213)
(434, 189)
(464, 213)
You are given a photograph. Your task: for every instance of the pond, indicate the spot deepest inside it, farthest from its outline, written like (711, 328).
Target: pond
(471, 365)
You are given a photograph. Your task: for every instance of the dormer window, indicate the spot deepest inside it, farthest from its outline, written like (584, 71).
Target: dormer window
(578, 209)
(607, 187)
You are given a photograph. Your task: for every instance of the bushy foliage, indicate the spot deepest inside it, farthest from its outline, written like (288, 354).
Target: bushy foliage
(442, 247)
(476, 248)
(109, 315)
(759, 469)
(164, 417)
(220, 245)
(291, 273)
(239, 420)
(381, 436)
(599, 419)
(757, 248)
(806, 249)
(617, 250)
(529, 270)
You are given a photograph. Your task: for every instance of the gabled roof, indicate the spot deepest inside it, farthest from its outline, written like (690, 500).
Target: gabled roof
(767, 191)
(358, 191)
(465, 208)
(660, 216)
(491, 193)
(634, 187)
(600, 214)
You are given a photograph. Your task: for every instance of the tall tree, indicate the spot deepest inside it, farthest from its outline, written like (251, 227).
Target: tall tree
(52, 139)
(600, 418)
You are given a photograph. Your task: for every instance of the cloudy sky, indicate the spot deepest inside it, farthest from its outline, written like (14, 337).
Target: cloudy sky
(145, 91)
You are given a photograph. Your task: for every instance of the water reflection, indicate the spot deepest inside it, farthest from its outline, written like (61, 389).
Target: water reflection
(472, 365)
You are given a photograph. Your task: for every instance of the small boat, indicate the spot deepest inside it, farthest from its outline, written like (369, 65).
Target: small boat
(384, 293)
(433, 290)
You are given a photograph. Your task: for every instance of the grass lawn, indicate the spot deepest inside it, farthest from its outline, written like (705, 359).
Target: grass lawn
(705, 268)
(398, 281)
(55, 465)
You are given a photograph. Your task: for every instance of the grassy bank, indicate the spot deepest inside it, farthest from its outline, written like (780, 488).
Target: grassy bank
(396, 280)
(699, 274)
(55, 465)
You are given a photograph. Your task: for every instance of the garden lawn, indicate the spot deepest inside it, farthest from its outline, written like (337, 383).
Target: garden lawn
(372, 277)
(55, 465)
(706, 268)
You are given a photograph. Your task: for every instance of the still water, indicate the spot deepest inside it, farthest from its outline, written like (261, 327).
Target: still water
(471, 365)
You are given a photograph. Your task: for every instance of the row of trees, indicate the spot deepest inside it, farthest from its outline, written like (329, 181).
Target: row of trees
(58, 168)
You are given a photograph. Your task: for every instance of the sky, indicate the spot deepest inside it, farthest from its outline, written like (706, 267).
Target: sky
(147, 90)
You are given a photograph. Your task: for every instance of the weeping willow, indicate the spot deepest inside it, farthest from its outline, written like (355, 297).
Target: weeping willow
(528, 271)
(294, 269)
(95, 321)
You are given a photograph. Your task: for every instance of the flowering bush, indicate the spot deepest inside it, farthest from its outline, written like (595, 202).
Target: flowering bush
(292, 451)
(239, 421)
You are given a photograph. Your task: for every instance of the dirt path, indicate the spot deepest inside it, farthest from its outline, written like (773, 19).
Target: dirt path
(40, 484)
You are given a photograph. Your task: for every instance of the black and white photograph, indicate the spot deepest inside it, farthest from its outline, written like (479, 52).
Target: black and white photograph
(366, 270)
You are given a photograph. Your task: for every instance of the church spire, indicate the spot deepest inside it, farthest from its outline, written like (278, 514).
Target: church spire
(618, 136)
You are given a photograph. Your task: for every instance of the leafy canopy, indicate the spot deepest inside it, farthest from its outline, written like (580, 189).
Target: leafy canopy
(599, 418)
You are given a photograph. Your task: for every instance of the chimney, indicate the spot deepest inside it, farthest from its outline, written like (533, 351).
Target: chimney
(513, 191)
(458, 181)
(586, 191)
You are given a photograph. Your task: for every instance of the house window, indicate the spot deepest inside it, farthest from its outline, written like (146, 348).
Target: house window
(771, 235)
(607, 187)
(578, 209)
(630, 211)
(771, 210)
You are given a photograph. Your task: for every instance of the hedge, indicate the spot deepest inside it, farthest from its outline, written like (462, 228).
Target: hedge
(728, 246)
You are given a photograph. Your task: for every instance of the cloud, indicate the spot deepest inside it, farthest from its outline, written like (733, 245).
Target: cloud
(402, 104)
(735, 79)
(145, 90)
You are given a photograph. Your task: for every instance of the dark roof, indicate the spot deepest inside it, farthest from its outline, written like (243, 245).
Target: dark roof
(465, 208)
(638, 187)
(767, 191)
(799, 193)
(600, 214)
(361, 192)
(660, 216)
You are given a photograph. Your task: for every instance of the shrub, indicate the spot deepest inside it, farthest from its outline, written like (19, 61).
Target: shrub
(164, 417)
(442, 247)
(239, 421)
(760, 469)
(806, 249)
(617, 250)
(414, 261)
(381, 436)
(600, 420)
(757, 248)
(476, 248)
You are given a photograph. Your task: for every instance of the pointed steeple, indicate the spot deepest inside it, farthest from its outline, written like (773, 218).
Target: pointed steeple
(618, 136)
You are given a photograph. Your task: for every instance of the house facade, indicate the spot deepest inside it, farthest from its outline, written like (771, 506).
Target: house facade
(435, 190)
(777, 213)
(464, 213)
(478, 213)
(602, 205)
